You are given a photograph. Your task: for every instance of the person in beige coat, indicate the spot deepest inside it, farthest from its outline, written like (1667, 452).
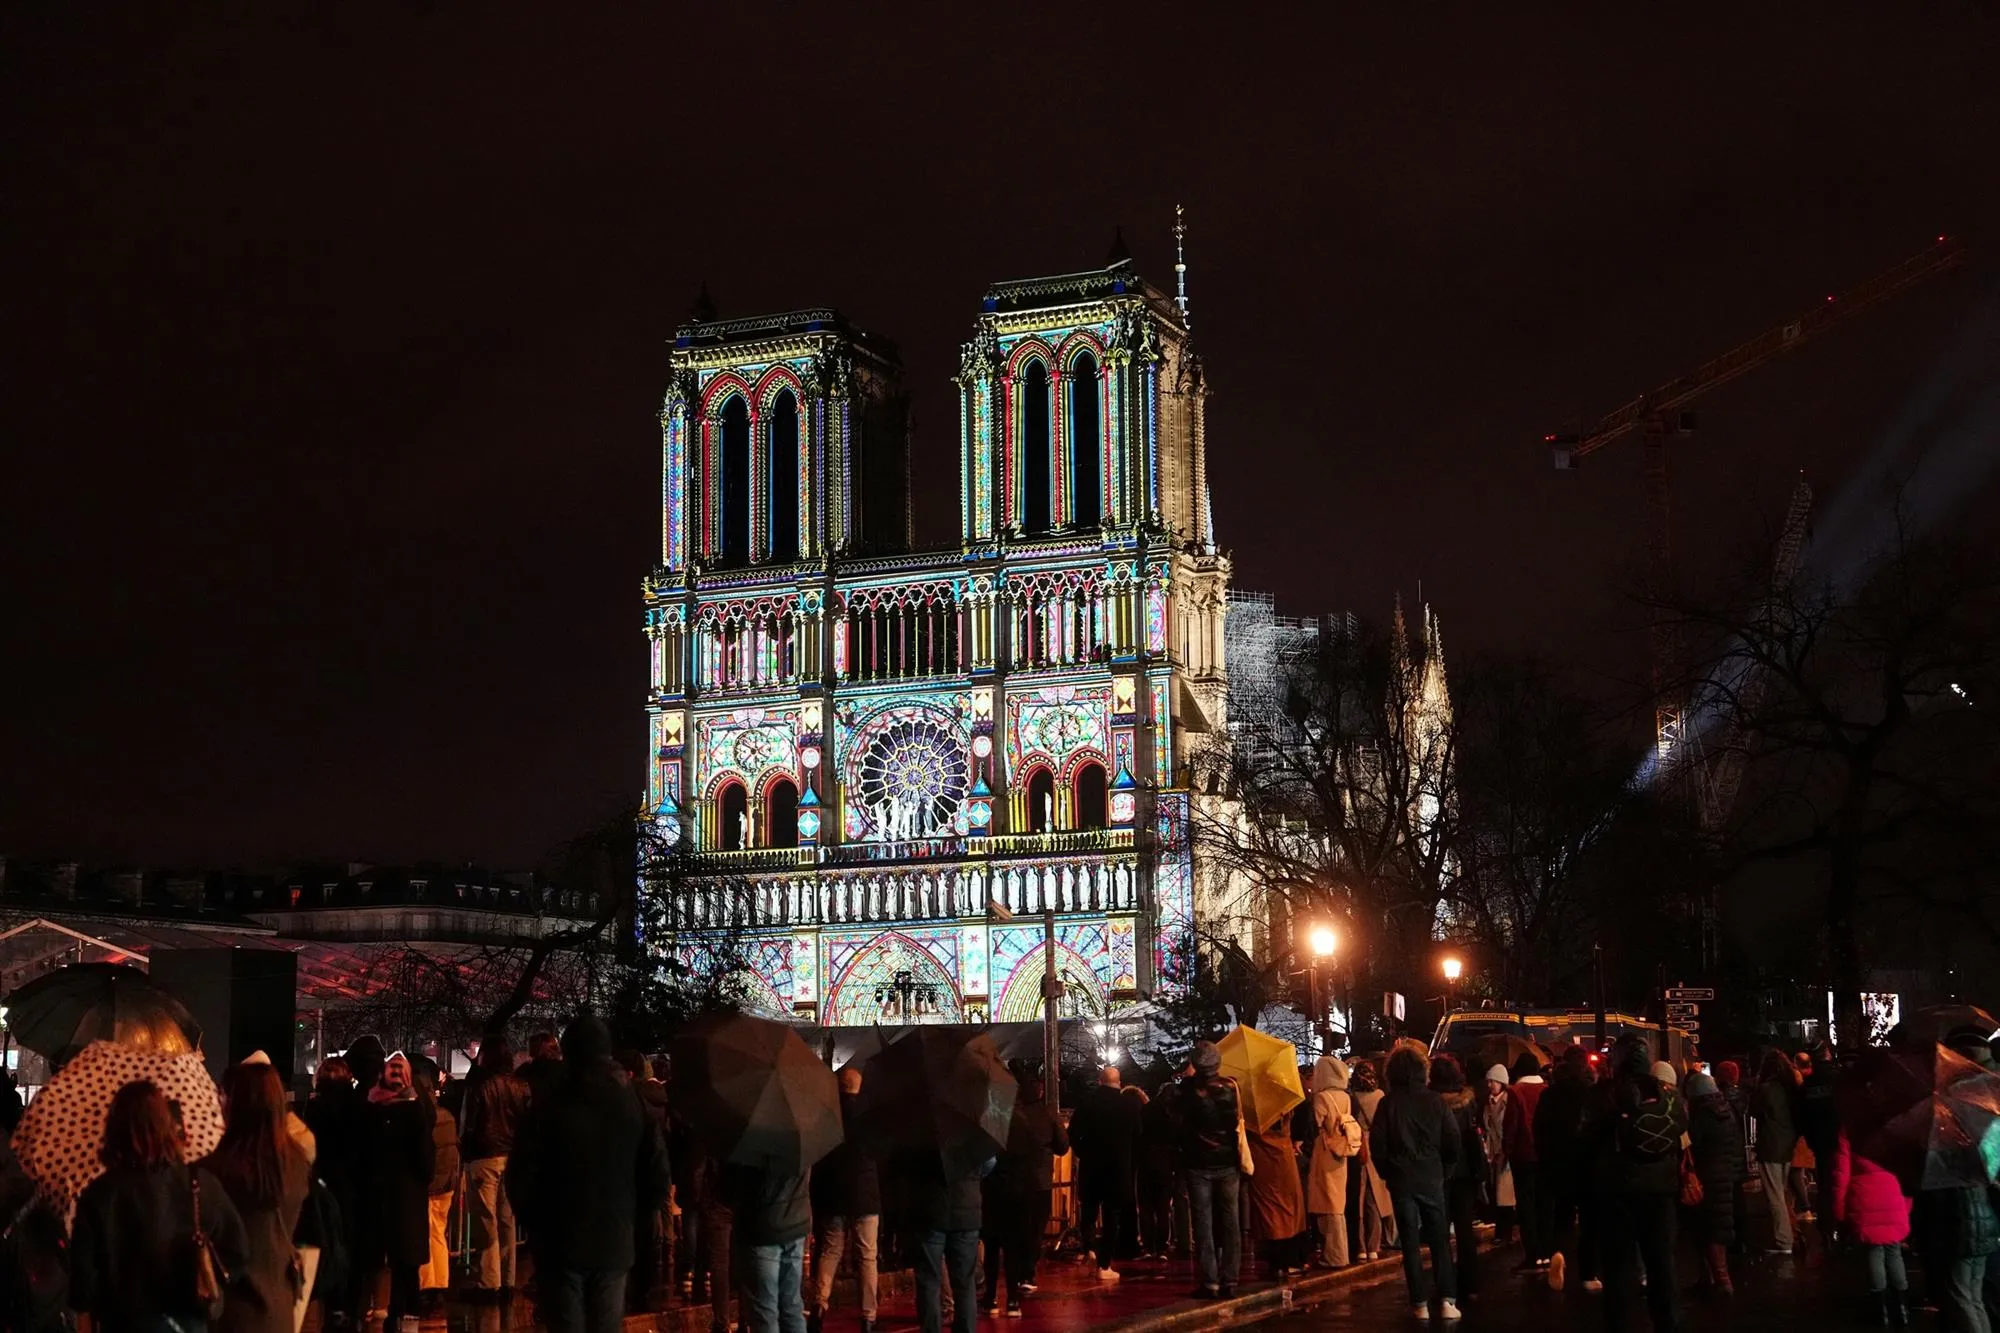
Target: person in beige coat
(1336, 1141)
(1378, 1216)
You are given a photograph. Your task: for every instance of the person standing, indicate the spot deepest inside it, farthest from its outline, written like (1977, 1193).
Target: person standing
(1499, 1171)
(646, 1230)
(1209, 1113)
(434, 1278)
(1336, 1141)
(1958, 1228)
(847, 1212)
(336, 1113)
(265, 1175)
(1637, 1143)
(1416, 1144)
(1517, 1148)
(942, 1209)
(394, 1207)
(1016, 1198)
(1715, 1140)
(1819, 1127)
(495, 1101)
(1867, 1199)
(772, 1209)
(1729, 1082)
(1156, 1171)
(584, 1164)
(1377, 1213)
(543, 1073)
(1105, 1130)
(135, 1224)
(1461, 1181)
(1775, 1105)
(1277, 1198)
(1566, 1171)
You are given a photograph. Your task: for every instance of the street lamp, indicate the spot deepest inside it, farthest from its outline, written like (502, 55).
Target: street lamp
(1454, 968)
(1323, 942)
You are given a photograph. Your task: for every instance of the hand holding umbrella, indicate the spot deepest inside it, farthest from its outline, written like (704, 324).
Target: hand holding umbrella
(1266, 1071)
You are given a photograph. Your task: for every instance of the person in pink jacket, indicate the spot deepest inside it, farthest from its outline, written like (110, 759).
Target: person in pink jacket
(1870, 1202)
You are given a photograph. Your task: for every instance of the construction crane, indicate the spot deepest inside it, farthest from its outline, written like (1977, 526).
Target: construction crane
(1659, 416)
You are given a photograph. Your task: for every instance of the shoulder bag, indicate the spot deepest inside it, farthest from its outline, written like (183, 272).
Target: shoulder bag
(211, 1278)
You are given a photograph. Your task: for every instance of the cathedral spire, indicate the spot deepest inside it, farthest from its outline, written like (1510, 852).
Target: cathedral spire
(1399, 640)
(1180, 264)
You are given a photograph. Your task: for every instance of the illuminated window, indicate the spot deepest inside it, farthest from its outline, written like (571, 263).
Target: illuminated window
(735, 467)
(1037, 465)
(1042, 802)
(1084, 443)
(783, 474)
(732, 808)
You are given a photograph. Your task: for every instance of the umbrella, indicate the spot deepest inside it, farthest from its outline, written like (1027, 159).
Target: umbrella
(941, 1090)
(1266, 1071)
(1931, 1117)
(73, 1006)
(1504, 1048)
(1938, 1024)
(756, 1092)
(63, 1128)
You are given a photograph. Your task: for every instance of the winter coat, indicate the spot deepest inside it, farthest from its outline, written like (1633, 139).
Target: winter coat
(1558, 1126)
(1471, 1163)
(493, 1106)
(931, 1202)
(1413, 1140)
(1517, 1134)
(1716, 1141)
(1326, 1173)
(338, 1116)
(1868, 1198)
(1818, 1118)
(1277, 1202)
(1773, 1105)
(1160, 1135)
(130, 1244)
(1957, 1223)
(1207, 1112)
(1105, 1133)
(1620, 1168)
(444, 1152)
(393, 1199)
(770, 1207)
(846, 1183)
(585, 1164)
(542, 1077)
(1366, 1104)
(261, 1293)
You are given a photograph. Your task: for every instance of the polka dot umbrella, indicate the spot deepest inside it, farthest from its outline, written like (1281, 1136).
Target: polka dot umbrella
(58, 1137)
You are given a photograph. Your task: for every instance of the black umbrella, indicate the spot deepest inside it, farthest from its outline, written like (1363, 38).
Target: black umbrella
(61, 1013)
(756, 1093)
(937, 1089)
(1942, 1024)
(1930, 1117)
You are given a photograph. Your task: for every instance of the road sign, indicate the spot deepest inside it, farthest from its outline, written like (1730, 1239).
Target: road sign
(1686, 993)
(1683, 1013)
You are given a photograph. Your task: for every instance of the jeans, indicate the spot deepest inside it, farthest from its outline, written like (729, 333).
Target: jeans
(718, 1224)
(830, 1243)
(1156, 1193)
(1212, 1200)
(1885, 1268)
(1639, 1228)
(1775, 1175)
(772, 1299)
(1420, 1221)
(942, 1253)
(1964, 1300)
(492, 1222)
(1459, 1198)
(1528, 1210)
(576, 1300)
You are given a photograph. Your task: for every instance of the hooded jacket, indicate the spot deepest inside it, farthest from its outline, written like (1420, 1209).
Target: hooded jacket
(1413, 1140)
(1517, 1134)
(1326, 1177)
(1868, 1198)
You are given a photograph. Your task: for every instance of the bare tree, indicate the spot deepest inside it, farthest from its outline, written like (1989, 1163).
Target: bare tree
(1862, 712)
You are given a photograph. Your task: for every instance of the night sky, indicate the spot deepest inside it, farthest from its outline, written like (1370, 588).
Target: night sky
(333, 346)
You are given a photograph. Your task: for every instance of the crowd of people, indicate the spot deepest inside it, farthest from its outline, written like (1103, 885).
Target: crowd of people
(579, 1159)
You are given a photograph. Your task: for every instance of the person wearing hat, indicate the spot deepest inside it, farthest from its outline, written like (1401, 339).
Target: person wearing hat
(1209, 1115)
(1499, 1180)
(1715, 1139)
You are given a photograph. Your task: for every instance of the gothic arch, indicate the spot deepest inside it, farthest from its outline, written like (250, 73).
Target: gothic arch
(1021, 999)
(851, 1000)
(1082, 414)
(734, 450)
(1036, 443)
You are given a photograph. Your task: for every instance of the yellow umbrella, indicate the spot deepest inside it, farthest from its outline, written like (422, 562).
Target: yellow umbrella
(1266, 1071)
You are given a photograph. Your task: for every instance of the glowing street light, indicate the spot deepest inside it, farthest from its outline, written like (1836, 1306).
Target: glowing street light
(1323, 941)
(1454, 968)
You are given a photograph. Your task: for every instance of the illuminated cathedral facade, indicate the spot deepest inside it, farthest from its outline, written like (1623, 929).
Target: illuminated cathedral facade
(886, 766)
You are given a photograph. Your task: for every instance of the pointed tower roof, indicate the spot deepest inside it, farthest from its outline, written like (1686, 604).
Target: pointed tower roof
(1399, 639)
(1119, 252)
(703, 310)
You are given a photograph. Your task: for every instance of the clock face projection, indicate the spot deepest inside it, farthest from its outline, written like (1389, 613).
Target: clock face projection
(911, 776)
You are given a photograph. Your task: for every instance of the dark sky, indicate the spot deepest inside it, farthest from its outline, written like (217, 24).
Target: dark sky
(332, 347)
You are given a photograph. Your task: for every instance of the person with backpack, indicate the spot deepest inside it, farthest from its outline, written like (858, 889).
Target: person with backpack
(1637, 1133)
(1336, 1141)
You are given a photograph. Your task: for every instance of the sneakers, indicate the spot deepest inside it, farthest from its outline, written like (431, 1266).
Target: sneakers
(1030, 1287)
(992, 1312)
(1450, 1312)
(1557, 1266)
(1107, 1275)
(1014, 1310)
(1421, 1313)
(1592, 1284)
